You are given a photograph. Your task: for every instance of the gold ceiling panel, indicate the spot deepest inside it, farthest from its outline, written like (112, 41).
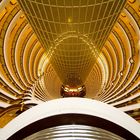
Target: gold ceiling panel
(72, 32)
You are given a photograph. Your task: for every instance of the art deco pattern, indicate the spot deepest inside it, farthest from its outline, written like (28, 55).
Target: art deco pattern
(28, 78)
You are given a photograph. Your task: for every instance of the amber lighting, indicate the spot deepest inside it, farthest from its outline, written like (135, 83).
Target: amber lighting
(45, 44)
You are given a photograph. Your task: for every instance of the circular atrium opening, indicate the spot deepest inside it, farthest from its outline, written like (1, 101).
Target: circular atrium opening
(72, 119)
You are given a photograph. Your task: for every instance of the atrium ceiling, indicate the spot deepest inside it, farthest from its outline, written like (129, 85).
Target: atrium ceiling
(31, 72)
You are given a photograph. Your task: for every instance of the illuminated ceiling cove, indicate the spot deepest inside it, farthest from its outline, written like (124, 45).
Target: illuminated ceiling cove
(95, 43)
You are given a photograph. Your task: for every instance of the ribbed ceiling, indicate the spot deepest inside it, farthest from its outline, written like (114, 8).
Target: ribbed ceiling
(27, 77)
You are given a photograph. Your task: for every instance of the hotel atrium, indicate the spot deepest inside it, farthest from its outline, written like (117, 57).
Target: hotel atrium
(51, 49)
